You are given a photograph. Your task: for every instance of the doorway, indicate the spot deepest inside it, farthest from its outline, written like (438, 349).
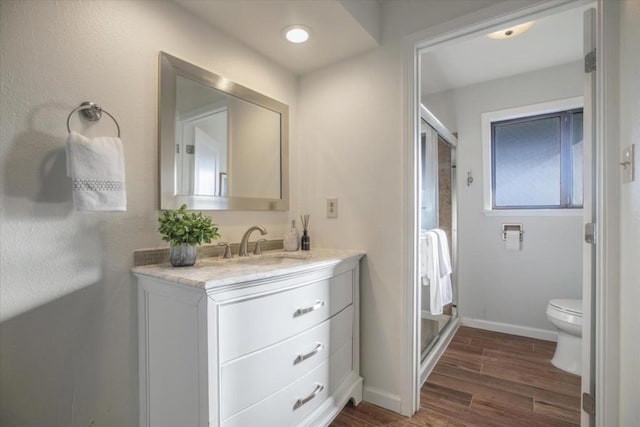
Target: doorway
(432, 39)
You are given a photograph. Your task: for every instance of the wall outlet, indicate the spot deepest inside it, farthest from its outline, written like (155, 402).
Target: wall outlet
(332, 208)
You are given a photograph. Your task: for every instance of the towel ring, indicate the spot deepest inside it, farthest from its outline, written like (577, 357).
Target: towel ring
(92, 112)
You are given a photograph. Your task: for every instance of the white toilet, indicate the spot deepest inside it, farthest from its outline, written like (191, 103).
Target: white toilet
(566, 316)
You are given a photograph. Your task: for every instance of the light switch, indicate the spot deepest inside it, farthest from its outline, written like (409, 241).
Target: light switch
(628, 164)
(332, 208)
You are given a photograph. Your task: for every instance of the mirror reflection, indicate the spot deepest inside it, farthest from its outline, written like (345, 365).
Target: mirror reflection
(222, 146)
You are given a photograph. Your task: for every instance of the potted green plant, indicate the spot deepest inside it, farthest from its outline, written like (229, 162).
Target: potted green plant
(184, 231)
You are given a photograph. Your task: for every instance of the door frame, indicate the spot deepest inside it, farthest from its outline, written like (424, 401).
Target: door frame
(606, 170)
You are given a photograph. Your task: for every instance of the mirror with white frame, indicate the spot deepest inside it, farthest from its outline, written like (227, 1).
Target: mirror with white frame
(222, 146)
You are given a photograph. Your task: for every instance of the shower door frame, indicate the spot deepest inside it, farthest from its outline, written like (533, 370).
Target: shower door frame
(428, 362)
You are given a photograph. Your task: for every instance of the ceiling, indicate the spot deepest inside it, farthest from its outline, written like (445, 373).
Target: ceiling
(553, 40)
(339, 28)
(345, 28)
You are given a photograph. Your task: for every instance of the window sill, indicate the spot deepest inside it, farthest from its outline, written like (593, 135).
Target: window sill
(533, 212)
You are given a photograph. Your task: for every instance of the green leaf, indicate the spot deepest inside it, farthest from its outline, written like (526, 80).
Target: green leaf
(180, 226)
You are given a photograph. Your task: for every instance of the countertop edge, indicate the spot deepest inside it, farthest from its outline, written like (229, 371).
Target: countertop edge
(320, 258)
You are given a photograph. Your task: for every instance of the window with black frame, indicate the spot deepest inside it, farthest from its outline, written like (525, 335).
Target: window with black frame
(537, 161)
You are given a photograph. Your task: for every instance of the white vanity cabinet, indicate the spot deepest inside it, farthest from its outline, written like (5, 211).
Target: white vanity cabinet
(275, 344)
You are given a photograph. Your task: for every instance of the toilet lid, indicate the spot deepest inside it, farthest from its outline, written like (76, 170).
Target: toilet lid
(571, 306)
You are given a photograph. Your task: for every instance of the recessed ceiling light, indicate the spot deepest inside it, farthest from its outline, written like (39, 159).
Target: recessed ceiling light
(297, 33)
(511, 32)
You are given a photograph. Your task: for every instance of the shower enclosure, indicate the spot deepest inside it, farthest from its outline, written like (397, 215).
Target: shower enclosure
(437, 193)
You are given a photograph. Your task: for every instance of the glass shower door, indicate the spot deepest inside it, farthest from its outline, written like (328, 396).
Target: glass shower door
(436, 204)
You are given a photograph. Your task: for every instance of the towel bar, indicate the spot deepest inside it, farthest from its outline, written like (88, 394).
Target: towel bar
(92, 112)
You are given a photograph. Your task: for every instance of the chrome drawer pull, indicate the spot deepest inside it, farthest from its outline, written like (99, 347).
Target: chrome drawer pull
(303, 357)
(301, 311)
(300, 402)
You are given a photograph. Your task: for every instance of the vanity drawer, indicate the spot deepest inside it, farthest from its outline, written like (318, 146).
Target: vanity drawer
(249, 325)
(289, 406)
(249, 379)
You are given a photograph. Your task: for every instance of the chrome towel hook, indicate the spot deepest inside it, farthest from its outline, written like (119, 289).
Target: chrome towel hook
(92, 112)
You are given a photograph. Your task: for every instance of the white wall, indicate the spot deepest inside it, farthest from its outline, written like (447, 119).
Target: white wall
(442, 106)
(351, 147)
(630, 216)
(68, 303)
(495, 285)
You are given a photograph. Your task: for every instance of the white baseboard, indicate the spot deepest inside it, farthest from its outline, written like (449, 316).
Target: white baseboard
(523, 331)
(382, 398)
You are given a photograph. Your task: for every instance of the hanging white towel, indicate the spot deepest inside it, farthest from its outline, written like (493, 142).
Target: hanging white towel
(444, 262)
(96, 168)
(435, 269)
(428, 257)
(443, 252)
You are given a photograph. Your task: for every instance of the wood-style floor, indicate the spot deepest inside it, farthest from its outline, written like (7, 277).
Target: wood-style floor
(486, 379)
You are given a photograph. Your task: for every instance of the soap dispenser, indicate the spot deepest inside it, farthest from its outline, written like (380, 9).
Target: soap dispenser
(292, 238)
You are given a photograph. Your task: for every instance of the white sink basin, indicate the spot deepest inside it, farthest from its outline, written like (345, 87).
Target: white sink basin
(267, 258)
(272, 258)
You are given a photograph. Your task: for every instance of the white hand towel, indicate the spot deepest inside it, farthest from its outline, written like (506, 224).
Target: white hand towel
(443, 252)
(96, 167)
(435, 269)
(435, 290)
(427, 256)
(444, 262)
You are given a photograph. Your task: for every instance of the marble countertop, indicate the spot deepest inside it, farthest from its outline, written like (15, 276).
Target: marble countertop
(211, 272)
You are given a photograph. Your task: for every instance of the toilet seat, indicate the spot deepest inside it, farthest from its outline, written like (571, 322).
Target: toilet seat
(566, 310)
(569, 306)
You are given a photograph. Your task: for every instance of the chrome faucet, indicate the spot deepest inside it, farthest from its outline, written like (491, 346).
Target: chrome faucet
(245, 239)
